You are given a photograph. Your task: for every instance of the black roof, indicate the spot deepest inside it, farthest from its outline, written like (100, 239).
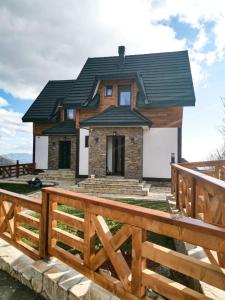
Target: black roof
(165, 78)
(43, 108)
(66, 127)
(117, 116)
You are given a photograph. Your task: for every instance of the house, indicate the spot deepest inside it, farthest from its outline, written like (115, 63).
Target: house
(121, 116)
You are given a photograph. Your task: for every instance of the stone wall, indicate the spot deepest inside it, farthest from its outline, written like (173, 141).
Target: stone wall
(52, 279)
(133, 150)
(53, 151)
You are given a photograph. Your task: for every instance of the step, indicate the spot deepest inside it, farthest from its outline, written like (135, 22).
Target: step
(110, 185)
(112, 180)
(57, 178)
(106, 190)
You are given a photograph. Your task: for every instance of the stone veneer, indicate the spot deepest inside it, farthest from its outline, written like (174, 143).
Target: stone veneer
(133, 165)
(53, 150)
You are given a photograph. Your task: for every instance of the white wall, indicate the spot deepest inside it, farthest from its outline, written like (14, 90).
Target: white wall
(158, 144)
(41, 152)
(83, 153)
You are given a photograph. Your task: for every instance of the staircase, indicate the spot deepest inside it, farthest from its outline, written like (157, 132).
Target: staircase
(113, 185)
(58, 175)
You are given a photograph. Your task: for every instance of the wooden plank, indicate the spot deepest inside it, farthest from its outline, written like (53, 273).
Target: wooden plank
(138, 261)
(89, 239)
(116, 258)
(70, 220)
(184, 264)
(25, 233)
(24, 201)
(65, 197)
(116, 241)
(44, 225)
(68, 239)
(27, 219)
(169, 288)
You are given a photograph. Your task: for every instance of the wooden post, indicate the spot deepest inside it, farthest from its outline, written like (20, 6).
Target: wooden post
(193, 197)
(176, 181)
(43, 236)
(138, 262)
(17, 169)
(89, 239)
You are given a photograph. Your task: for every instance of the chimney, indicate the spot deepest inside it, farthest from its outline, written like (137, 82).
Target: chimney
(121, 52)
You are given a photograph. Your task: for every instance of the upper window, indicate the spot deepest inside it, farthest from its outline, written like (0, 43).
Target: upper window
(70, 114)
(124, 95)
(108, 91)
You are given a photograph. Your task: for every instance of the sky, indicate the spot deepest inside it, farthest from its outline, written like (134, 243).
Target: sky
(43, 40)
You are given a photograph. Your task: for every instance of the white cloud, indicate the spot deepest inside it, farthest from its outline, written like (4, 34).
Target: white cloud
(3, 102)
(15, 136)
(52, 41)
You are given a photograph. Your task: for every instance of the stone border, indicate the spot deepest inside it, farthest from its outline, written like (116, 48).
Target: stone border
(52, 279)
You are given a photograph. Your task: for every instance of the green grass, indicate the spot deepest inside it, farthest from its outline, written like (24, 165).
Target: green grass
(114, 226)
(18, 188)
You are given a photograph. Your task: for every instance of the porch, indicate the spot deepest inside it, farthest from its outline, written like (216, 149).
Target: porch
(199, 192)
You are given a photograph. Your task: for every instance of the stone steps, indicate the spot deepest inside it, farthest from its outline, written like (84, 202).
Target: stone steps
(57, 175)
(106, 190)
(113, 185)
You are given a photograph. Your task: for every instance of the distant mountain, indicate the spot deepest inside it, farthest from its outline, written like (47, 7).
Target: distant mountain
(5, 161)
(21, 157)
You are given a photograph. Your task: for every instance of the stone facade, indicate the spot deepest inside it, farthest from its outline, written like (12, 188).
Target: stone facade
(133, 165)
(53, 150)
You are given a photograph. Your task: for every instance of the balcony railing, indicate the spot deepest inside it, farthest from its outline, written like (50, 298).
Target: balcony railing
(33, 226)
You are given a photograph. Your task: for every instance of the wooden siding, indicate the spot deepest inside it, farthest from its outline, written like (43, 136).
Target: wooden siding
(161, 117)
(39, 127)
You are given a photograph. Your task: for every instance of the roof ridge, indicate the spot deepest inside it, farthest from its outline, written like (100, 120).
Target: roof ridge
(140, 54)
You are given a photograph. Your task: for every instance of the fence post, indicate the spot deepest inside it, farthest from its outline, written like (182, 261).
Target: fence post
(193, 197)
(17, 169)
(43, 248)
(138, 262)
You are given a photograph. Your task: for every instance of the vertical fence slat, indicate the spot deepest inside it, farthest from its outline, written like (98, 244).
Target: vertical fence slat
(44, 225)
(89, 239)
(138, 262)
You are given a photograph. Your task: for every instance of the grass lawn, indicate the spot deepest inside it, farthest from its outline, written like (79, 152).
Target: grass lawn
(18, 188)
(114, 225)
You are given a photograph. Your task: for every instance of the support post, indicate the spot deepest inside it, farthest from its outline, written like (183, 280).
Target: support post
(17, 169)
(43, 246)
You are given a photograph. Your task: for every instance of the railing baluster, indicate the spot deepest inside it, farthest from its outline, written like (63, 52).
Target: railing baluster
(44, 225)
(89, 239)
(193, 197)
(138, 262)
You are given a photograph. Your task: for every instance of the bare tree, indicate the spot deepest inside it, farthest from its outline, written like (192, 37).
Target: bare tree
(220, 152)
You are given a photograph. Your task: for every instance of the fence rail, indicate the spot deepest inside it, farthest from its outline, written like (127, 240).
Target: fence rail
(86, 242)
(16, 170)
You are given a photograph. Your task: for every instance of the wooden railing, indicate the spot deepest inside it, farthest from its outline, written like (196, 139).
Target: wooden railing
(87, 244)
(16, 170)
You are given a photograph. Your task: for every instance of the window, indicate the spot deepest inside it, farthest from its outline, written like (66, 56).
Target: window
(108, 91)
(124, 95)
(86, 141)
(70, 114)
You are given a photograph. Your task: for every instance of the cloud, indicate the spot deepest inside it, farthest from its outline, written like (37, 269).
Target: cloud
(3, 102)
(15, 136)
(52, 41)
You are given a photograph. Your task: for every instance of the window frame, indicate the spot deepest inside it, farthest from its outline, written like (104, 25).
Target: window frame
(124, 88)
(66, 113)
(106, 89)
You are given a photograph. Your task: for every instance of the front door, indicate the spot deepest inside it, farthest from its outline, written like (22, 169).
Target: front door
(64, 154)
(115, 155)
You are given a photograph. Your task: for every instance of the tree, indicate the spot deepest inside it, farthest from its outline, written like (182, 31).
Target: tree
(220, 152)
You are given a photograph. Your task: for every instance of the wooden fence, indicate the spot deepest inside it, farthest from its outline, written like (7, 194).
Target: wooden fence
(51, 231)
(16, 170)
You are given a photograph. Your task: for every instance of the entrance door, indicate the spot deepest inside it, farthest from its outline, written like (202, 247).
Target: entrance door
(64, 154)
(115, 155)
